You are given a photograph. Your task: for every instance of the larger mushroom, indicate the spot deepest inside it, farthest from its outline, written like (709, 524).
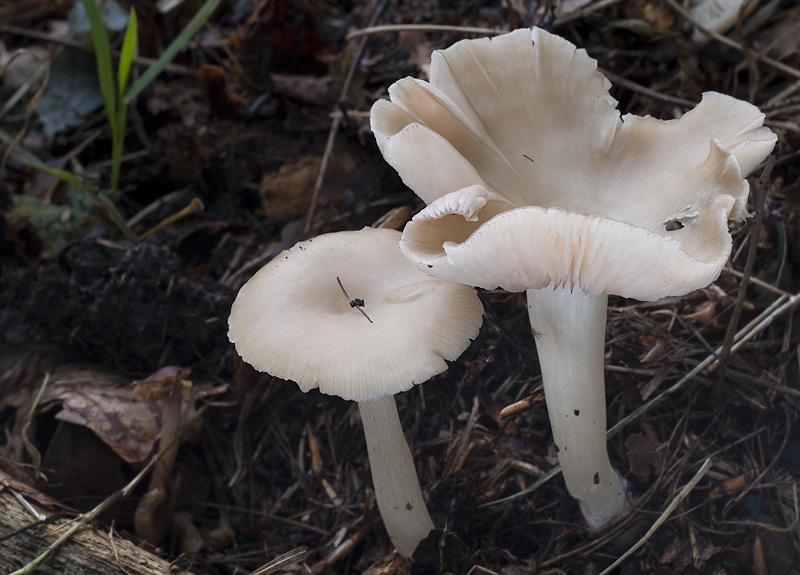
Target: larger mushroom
(535, 183)
(348, 314)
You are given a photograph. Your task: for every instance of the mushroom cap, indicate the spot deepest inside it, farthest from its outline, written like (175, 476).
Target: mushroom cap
(532, 177)
(293, 321)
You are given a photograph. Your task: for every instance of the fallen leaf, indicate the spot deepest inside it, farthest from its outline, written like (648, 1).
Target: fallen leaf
(72, 93)
(306, 88)
(7, 481)
(103, 403)
(652, 12)
(734, 484)
(656, 352)
(642, 455)
(24, 66)
(288, 191)
(71, 479)
(58, 224)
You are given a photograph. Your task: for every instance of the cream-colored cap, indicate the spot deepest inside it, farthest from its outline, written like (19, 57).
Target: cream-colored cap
(532, 176)
(293, 321)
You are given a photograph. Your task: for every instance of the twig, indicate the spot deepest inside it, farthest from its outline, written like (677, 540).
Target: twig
(141, 61)
(337, 121)
(391, 28)
(759, 282)
(585, 11)
(455, 457)
(34, 454)
(42, 70)
(356, 303)
(780, 66)
(42, 519)
(85, 518)
(759, 324)
(757, 480)
(283, 561)
(785, 93)
(195, 205)
(769, 527)
(152, 207)
(323, 168)
(342, 550)
(664, 516)
(764, 319)
(649, 92)
(727, 344)
(270, 516)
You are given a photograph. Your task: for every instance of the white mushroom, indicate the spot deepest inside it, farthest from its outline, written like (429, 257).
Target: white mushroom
(347, 313)
(536, 183)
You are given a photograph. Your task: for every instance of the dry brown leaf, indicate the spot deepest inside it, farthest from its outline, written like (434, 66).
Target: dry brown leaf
(653, 12)
(23, 66)
(288, 191)
(303, 87)
(7, 481)
(102, 402)
(656, 352)
(705, 313)
(70, 478)
(734, 484)
(643, 454)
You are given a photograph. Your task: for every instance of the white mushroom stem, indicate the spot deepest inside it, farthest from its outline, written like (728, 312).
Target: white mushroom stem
(569, 327)
(394, 476)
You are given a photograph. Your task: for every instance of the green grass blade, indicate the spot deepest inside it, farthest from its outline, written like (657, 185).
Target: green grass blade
(127, 54)
(27, 158)
(29, 109)
(30, 423)
(103, 202)
(117, 144)
(13, 57)
(123, 70)
(102, 52)
(172, 50)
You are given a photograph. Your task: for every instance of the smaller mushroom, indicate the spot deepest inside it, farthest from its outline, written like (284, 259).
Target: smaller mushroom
(347, 313)
(169, 389)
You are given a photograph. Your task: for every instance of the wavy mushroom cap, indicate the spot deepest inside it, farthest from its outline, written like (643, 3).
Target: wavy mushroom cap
(293, 321)
(532, 176)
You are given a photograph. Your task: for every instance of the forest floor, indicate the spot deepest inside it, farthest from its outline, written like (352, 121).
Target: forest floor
(257, 136)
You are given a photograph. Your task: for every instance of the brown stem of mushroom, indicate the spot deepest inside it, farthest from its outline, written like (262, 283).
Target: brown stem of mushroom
(394, 476)
(150, 518)
(168, 448)
(570, 328)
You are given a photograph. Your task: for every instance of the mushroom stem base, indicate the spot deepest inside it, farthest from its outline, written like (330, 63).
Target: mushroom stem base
(569, 328)
(394, 476)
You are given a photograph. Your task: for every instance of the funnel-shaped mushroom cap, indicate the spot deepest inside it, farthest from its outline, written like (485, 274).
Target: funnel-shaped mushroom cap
(533, 177)
(293, 320)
